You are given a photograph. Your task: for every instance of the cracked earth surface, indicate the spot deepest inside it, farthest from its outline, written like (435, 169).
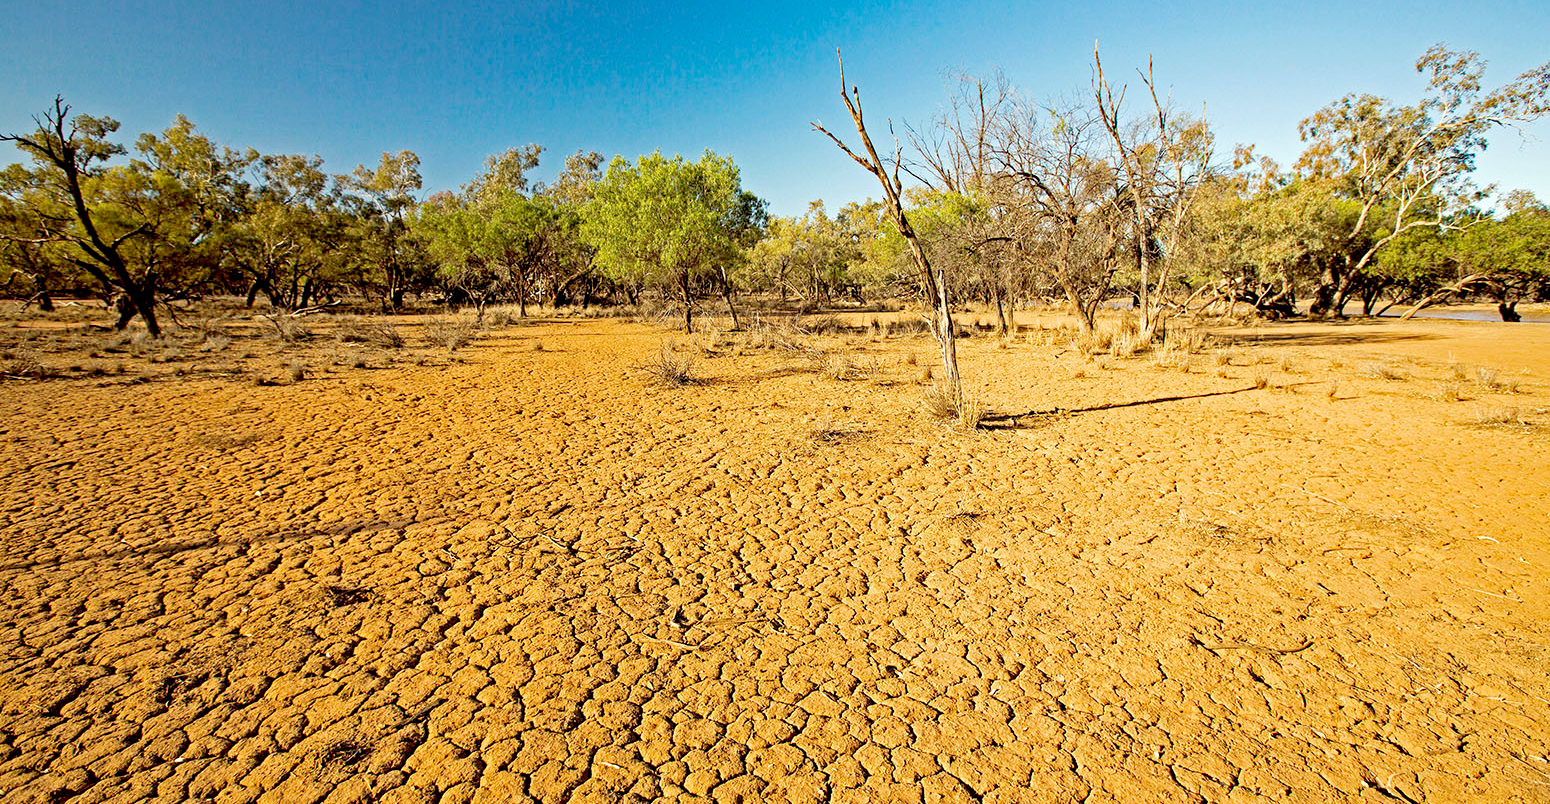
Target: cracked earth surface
(535, 576)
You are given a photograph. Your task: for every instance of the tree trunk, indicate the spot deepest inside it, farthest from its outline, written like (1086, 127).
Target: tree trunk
(947, 338)
(726, 293)
(683, 282)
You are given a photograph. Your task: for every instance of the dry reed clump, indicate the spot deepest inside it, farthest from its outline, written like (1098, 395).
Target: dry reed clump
(1189, 341)
(966, 410)
(1260, 379)
(1498, 417)
(451, 333)
(1384, 371)
(1492, 380)
(821, 325)
(23, 365)
(671, 368)
(288, 328)
(381, 334)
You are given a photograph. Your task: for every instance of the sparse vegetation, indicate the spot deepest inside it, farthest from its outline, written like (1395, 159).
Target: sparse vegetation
(671, 367)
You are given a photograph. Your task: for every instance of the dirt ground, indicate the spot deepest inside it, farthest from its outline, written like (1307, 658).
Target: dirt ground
(525, 570)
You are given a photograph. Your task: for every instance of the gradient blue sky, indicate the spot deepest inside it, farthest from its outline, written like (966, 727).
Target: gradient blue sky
(457, 81)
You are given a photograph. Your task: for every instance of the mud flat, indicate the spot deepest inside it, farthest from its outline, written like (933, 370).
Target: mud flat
(1305, 563)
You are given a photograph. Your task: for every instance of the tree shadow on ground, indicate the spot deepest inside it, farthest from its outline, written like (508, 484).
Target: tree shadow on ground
(1039, 418)
(1369, 334)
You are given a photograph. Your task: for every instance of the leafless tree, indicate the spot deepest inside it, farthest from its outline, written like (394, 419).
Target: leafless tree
(933, 283)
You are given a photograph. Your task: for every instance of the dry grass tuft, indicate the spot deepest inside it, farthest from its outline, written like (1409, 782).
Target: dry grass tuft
(287, 328)
(451, 333)
(1384, 371)
(1510, 418)
(1492, 380)
(967, 411)
(1450, 391)
(381, 334)
(1260, 379)
(1188, 341)
(671, 368)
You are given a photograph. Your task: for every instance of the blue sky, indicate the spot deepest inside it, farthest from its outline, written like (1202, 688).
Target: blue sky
(455, 82)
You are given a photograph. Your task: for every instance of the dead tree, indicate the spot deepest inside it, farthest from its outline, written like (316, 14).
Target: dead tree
(933, 284)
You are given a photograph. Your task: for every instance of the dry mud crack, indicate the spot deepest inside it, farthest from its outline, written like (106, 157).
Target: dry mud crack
(535, 576)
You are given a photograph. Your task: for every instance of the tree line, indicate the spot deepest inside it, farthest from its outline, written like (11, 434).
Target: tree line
(1112, 192)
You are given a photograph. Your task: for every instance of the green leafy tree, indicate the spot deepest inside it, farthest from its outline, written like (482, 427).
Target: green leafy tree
(1410, 165)
(666, 222)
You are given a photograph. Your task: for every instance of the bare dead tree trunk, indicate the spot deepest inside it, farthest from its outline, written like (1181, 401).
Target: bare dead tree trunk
(933, 284)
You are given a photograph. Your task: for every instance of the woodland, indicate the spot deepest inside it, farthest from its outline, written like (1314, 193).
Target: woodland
(1109, 195)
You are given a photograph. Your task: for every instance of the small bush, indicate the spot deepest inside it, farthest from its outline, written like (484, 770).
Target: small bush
(1384, 371)
(1259, 378)
(297, 372)
(381, 334)
(287, 328)
(1491, 380)
(1498, 417)
(451, 333)
(968, 411)
(672, 369)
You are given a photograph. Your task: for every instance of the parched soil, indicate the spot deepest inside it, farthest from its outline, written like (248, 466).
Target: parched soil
(538, 574)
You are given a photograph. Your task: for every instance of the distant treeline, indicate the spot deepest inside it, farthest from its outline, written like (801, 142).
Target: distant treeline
(1015, 199)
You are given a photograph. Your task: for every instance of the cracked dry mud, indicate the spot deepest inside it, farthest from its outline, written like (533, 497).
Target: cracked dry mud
(536, 576)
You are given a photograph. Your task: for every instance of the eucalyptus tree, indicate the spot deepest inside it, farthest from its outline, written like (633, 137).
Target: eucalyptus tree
(138, 228)
(665, 222)
(1409, 166)
(380, 201)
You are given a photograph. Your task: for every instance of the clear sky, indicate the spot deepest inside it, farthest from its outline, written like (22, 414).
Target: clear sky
(455, 82)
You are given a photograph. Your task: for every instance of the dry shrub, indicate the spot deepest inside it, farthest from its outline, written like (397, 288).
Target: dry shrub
(451, 333)
(909, 326)
(1260, 379)
(1491, 380)
(296, 371)
(23, 364)
(1189, 341)
(1288, 365)
(822, 325)
(1222, 357)
(672, 369)
(1127, 340)
(1498, 417)
(1384, 371)
(288, 328)
(1094, 341)
(381, 334)
(967, 410)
